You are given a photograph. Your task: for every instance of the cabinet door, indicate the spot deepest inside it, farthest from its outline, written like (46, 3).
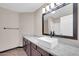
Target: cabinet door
(24, 44)
(34, 52)
(44, 53)
(28, 49)
(33, 45)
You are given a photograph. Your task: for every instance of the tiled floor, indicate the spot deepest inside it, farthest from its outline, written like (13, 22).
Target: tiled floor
(15, 52)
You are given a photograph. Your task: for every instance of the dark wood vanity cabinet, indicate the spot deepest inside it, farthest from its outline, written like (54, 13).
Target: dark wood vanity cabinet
(26, 46)
(43, 53)
(33, 50)
(24, 43)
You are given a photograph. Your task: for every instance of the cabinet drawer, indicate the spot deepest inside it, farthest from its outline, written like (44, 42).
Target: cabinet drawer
(34, 52)
(33, 45)
(44, 53)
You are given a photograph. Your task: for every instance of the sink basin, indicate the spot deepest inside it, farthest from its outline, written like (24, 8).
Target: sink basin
(48, 42)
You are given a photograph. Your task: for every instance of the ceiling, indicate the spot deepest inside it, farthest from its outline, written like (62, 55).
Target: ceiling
(21, 7)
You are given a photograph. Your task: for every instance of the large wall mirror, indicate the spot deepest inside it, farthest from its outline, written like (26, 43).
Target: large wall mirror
(61, 20)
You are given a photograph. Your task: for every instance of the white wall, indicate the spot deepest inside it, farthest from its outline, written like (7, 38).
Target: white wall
(38, 22)
(46, 26)
(8, 38)
(27, 23)
(13, 38)
(30, 23)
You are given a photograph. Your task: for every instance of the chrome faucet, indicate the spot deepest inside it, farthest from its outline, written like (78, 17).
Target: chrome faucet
(52, 34)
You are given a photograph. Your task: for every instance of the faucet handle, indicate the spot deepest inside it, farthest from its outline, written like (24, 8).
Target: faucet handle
(51, 34)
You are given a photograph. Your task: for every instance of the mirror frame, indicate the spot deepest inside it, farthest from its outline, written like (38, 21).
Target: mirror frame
(75, 20)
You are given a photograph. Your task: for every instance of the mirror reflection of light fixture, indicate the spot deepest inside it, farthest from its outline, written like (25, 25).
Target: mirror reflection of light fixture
(52, 5)
(47, 8)
(58, 4)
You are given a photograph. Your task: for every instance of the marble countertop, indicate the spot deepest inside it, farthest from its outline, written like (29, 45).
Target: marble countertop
(60, 50)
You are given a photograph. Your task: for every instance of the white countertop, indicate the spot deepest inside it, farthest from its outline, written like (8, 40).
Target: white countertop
(60, 50)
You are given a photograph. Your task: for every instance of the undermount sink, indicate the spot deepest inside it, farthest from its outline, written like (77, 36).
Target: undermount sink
(48, 42)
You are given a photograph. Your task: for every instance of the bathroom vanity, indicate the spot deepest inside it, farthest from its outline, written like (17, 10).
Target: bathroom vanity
(33, 47)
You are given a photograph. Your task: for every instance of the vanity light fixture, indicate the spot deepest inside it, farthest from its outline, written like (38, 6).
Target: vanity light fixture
(43, 10)
(52, 6)
(47, 8)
